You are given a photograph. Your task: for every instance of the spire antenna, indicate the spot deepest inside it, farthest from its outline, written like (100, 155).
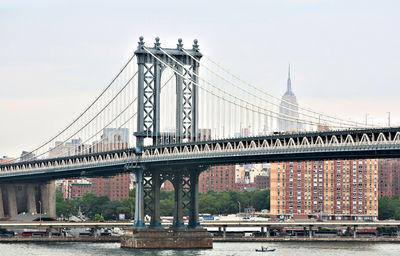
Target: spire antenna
(289, 82)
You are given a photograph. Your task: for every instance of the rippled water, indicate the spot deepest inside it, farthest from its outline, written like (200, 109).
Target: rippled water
(247, 249)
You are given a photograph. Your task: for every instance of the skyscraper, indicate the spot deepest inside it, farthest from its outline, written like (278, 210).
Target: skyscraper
(289, 110)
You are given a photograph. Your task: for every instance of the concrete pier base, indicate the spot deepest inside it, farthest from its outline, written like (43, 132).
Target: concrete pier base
(31, 199)
(48, 198)
(167, 239)
(11, 200)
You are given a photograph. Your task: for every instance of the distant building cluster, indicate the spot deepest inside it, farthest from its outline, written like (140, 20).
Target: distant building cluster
(116, 187)
(231, 177)
(5, 160)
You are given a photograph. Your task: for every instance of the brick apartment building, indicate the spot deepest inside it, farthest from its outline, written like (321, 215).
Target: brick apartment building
(216, 178)
(389, 178)
(338, 190)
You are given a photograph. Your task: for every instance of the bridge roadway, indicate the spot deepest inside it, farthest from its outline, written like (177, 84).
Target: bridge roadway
(206, 224)
(343, 144)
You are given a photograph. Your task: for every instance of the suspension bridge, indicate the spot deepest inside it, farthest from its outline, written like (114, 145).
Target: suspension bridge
(163, 118)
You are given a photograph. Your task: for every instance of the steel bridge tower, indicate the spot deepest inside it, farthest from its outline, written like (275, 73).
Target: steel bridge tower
(149, 89)
(151, 64)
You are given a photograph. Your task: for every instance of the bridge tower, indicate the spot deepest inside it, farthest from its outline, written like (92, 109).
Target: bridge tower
(150, 70)
(151, 64)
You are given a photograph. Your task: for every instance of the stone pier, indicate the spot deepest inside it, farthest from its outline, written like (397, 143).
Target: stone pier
(167, 239)
(11, 200)
(30, 198)
(48, 198)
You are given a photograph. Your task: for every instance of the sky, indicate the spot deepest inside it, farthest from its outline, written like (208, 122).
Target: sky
(56, 56)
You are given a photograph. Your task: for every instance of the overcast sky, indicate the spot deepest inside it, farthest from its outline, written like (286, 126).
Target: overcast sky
(56, 56)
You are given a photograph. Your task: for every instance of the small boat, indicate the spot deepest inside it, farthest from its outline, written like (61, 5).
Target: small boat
(265, 249)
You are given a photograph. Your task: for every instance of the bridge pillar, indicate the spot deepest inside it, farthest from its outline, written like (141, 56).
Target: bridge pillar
(31, 199)
(310, 232)
(178, 209)
(156, 184)
(194, 198)
(267, 230)
(398, 231)
(51, 188)
(48, 199)
(139, 222)
(1, 204)
(11, 200)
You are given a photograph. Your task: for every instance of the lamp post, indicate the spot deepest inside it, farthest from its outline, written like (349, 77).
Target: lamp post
(366, 119)
(388, 118)
(239, 206)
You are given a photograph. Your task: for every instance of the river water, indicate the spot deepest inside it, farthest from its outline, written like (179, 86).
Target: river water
(220, 249)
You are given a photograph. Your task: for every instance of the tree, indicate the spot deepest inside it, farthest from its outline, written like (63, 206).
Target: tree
(98, 217)
(167, 207)
(91, 204)
(128, 207)
(389, 208)
(64, 208)
(109, 210)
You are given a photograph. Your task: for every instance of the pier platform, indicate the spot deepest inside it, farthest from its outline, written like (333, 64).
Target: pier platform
(167, 239)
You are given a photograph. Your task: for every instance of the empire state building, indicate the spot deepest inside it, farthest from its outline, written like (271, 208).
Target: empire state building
(289, 110)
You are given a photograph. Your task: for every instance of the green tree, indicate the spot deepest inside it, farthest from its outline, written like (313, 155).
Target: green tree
(64, 208)
(90, 204)
(127, 207)
(389, 208)
(98, 217)
(109, 210)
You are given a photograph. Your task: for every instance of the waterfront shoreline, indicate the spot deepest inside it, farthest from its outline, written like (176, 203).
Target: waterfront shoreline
(306, 240)
(215, 240)
(61, 240)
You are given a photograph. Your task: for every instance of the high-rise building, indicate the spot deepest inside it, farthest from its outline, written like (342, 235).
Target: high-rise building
(217, 178)
(342, 190)
(116, 187)
(262, 181)
(25, 156)
(289, 110)
(389, 178)
(73, 147)
(78, 188)
(334, 190)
